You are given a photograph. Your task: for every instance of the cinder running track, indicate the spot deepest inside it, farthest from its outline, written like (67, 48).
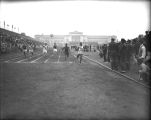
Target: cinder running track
(48, 87)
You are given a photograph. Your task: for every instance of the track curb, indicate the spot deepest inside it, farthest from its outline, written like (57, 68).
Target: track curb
(117, 72)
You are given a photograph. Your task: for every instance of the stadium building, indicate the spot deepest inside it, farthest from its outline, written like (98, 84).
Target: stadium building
(73, 38)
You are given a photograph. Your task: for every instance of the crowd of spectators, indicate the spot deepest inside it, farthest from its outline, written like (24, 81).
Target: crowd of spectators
(124, 53)
(13, 42)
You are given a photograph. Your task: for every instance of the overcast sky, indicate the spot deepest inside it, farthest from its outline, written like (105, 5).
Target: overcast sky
(123, 19)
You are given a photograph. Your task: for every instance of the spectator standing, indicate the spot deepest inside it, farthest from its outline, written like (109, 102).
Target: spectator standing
(122, 55)
(104, 49)
(142, 51)
(100, 53)
(128, 53)
(148, 42)
(113, 51)
(141, 60)
(108, 54)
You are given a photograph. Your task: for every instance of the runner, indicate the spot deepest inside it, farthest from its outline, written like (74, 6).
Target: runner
(45, 48)
(55, 48)
(24, 47)
(31, 50)
(80, 53)
(66, 51)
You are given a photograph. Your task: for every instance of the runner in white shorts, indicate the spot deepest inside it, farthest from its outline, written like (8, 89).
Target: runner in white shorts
(31, 49)
(44, 49)
(55, 48)
(80, 52)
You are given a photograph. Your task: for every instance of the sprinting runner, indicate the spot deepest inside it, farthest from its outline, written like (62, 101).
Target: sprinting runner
(80, 52)
(31, 50)
(24, 48)
(44, 49)
(55, 48)
(66, 51)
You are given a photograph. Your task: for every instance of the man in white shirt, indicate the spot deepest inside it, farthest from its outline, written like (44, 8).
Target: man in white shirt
(45, 48)
(80, 52)
(141, 58)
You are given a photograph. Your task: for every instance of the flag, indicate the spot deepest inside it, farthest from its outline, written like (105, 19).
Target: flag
(12, 27)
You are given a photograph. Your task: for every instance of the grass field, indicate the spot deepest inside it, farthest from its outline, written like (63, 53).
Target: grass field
(48, 87)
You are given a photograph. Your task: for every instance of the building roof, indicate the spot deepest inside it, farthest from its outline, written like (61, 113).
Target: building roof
(75, 32)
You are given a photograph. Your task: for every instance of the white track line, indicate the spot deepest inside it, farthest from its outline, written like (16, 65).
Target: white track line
(25, 59)
(117, 72)
(47, 59)
(36, 59)
(70, 62)
(17, 58)
(21, 60)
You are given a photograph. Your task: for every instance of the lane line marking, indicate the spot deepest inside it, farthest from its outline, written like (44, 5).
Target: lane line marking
(19, 56)
(21, 60)
(26, 59)
(36, 59)
(48, 59)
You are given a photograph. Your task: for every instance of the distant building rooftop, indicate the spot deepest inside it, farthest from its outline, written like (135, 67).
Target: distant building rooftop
(75, 32)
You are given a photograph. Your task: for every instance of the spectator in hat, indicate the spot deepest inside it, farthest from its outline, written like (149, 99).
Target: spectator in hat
(128, 53)
(122, 55)
(104, 49)
(113, 52)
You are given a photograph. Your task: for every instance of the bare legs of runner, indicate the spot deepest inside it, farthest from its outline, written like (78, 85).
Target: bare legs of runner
(79, 56)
